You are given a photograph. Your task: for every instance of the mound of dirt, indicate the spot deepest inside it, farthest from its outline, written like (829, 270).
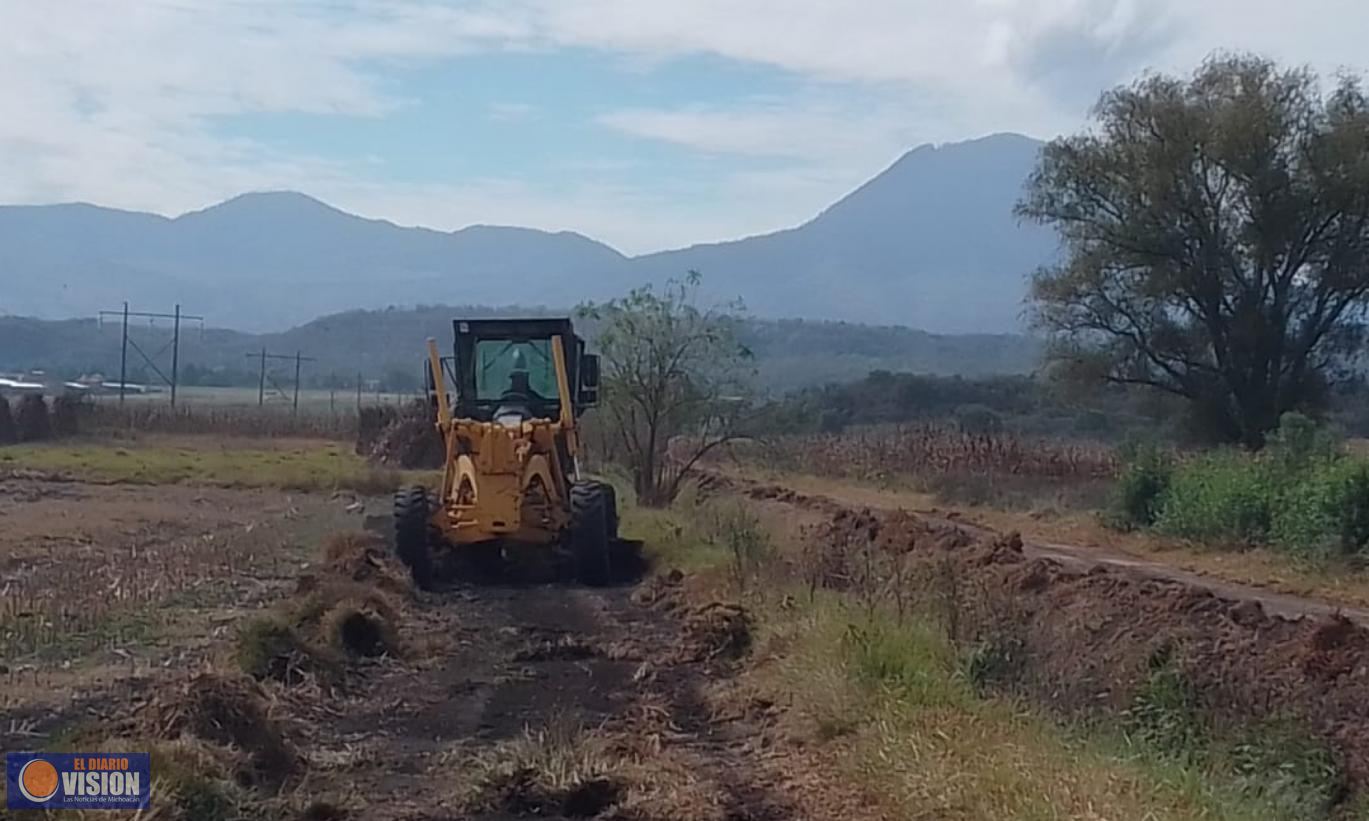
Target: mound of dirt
(409, 439)
(8, 433)
(31, 422)
(230, 711)
(1087, 641)
(362, 628)
(716, 631)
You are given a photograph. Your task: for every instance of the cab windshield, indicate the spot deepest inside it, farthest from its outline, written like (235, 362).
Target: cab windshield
(514, 370)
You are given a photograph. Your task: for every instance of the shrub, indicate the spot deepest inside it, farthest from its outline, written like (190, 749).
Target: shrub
(8, 434)
(31, 420)
(1300, 444)
(66, 411)
(1222, 496)
(1327, 511)
(1146, 474)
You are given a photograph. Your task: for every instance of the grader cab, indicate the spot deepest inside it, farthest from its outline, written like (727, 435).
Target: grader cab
(511, 480)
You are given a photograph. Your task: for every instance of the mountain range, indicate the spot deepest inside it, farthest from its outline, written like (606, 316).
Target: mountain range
(930, 243)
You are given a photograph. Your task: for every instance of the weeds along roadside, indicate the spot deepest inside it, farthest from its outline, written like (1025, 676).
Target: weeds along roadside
(889, 687)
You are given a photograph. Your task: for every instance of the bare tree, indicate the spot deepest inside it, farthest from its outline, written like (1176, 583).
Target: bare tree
(674, 382)
(1216, 232)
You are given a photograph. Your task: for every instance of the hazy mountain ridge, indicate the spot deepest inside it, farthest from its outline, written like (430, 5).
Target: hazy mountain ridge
(389, 344)
(931, 243)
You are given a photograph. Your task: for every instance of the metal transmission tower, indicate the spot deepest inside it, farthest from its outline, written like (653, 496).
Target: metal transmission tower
(127, 342)
(298, 358)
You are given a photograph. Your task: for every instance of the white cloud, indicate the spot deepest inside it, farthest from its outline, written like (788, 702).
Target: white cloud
(774, 129)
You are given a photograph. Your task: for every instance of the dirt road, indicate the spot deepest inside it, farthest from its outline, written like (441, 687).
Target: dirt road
(523, 682)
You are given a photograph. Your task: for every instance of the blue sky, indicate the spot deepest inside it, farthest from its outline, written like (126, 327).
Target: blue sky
(644, 124)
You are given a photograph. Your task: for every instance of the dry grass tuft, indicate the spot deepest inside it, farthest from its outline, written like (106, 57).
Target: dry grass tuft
(270, 648)
(717, 631)
(231, 711)
(363, 558)
(555, 771)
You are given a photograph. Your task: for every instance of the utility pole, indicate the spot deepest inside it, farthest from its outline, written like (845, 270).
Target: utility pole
(261, 381)
(123, 358)
(128, 342)
(175, 353)
(298, 358)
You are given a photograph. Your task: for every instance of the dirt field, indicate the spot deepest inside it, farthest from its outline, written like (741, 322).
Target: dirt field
(281, 671)
(101, 584)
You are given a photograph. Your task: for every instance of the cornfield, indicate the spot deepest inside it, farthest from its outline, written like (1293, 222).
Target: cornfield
(225, 420)
(930, 451)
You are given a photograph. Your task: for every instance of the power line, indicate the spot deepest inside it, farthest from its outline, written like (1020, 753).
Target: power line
(298, 359)
(151, 316)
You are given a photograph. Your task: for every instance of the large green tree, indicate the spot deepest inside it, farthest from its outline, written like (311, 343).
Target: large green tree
(1215, 232)
(674, 382)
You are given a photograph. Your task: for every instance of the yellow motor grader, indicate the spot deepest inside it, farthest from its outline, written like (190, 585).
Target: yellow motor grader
(512, 477)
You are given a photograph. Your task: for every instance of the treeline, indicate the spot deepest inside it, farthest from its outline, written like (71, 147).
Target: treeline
(1027, 405)
(1020, 404)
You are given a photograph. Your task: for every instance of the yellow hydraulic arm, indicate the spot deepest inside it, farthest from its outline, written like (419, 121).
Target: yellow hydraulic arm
(558, 355)
(444, 415)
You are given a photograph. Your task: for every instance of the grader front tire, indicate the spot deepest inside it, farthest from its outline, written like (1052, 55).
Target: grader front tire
(589, 533)
(412, 535)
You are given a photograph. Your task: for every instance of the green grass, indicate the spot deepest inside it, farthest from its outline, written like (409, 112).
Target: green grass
(672, 541)
(320, 467)
(912, 726)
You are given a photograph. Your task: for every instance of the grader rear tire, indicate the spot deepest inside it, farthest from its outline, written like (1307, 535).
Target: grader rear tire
(412, 535)
(589, 532)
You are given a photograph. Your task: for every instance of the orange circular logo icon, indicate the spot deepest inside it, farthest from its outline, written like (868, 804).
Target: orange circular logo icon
(38, 780)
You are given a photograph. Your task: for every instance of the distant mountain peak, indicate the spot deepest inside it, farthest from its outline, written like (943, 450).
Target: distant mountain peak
(273, 203)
